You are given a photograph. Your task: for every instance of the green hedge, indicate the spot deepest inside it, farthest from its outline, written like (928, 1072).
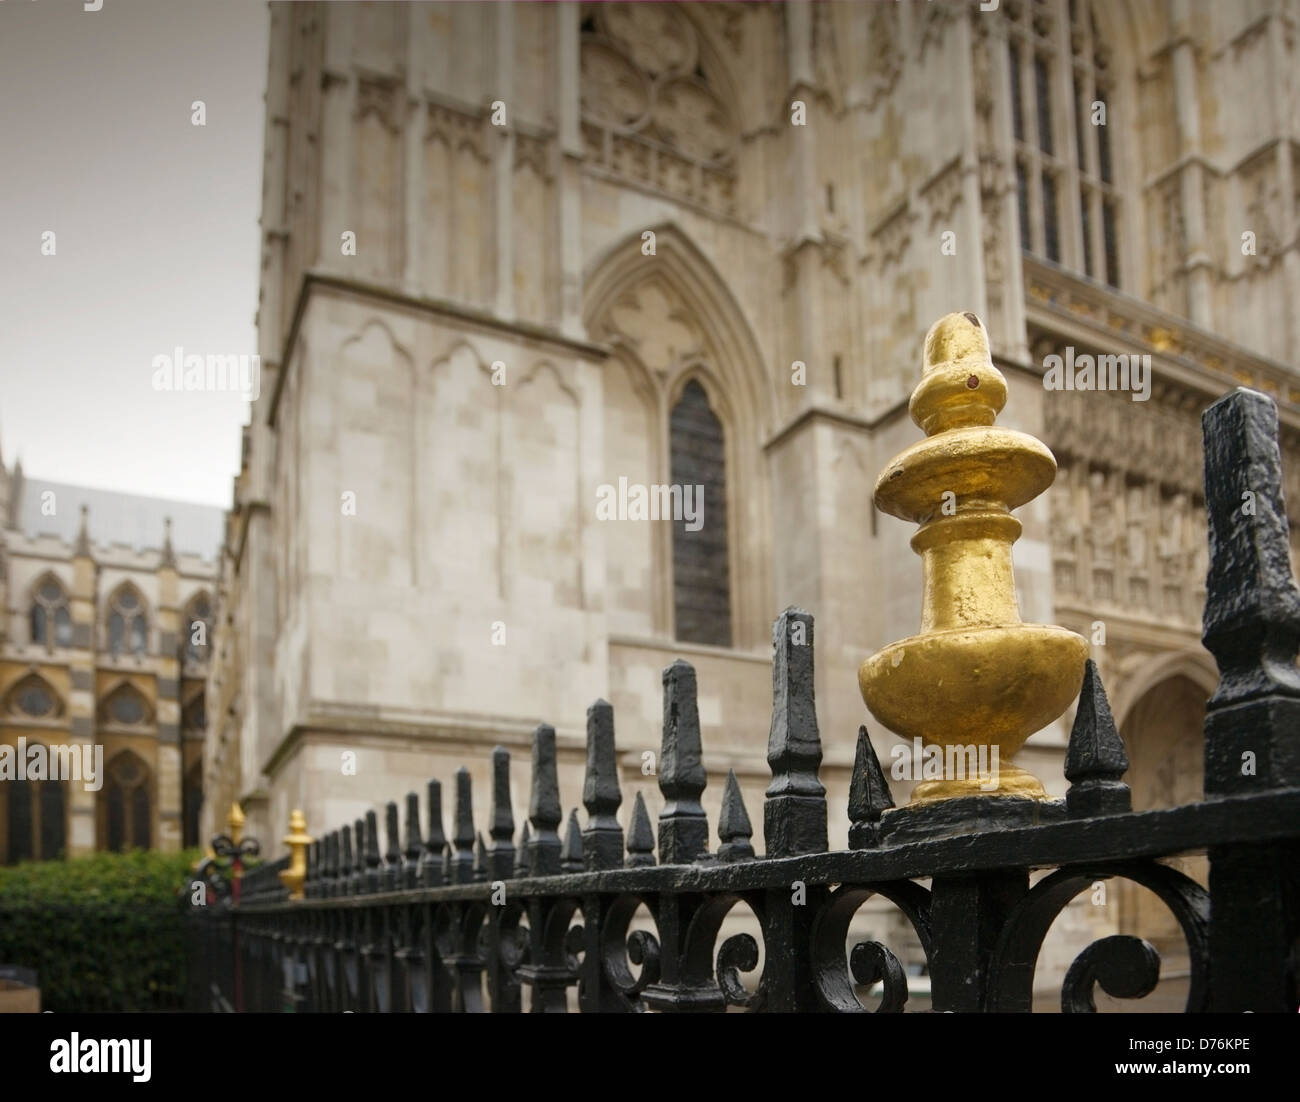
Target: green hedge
(103, 932)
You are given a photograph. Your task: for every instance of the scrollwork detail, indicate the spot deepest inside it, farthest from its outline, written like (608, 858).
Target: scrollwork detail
(868, 962)
(1120, 964)
(739, 953)
(619, 948)
(871, 963)
(1124, 967)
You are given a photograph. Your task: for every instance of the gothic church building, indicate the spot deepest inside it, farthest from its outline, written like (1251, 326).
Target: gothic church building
(514, 253)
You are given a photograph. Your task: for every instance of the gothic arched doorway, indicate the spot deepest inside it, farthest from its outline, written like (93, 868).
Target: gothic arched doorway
(1162, 733)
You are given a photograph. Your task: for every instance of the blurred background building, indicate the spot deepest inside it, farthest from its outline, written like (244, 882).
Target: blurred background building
(105, 639)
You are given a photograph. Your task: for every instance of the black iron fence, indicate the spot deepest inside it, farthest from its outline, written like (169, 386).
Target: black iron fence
(414, 922)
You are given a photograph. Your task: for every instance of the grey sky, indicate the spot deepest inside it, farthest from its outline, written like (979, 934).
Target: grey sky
(157, 236)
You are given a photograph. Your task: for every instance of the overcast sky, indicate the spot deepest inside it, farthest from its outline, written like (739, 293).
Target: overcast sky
(156, 236)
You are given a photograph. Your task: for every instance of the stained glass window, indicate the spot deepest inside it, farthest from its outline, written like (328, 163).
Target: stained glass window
(128, 627)
(127, 802)
(1060, 61)
(701, 590)
(51, 622)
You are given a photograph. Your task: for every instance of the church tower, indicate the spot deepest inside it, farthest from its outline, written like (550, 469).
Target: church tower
(523, 259)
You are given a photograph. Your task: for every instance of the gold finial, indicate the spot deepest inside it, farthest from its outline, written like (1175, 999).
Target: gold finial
(975, 676)
(235, 823)
(297, 840)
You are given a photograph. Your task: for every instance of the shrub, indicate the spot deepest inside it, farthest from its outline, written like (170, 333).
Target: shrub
(103, 932)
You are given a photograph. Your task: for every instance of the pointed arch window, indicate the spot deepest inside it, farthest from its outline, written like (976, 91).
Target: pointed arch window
(701, 571)
(1062, 82)
(126, 706)
(19, 821)
(195, 715)
(32, 697)
(53, 814)
(192, 800)
(128, 625)
(198, 627)
(35, 817)
(51, 622)
(127, 803)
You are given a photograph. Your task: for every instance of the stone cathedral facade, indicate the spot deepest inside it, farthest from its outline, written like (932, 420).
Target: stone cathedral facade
(105, 636)
(515, 253)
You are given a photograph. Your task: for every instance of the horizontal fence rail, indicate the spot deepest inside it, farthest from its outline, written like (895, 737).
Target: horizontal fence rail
(601, 919)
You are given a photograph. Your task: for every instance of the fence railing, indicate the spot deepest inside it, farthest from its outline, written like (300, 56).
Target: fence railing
(599, 919)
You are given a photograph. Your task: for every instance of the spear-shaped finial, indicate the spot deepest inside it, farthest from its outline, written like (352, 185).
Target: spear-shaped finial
(462, 858)
(332, 865)
(571, 853)
(435, 845)
(1252, 604)
(683, 828)
(640, 837)
(501, 853)
(869, 796)
(794, 811)
(521, 856)
(1095, 760)
(414, 843)
(344, 884)
(393, 853)
(374, 878)
(480, 858)
(317, 868)
(734, 829)
(359, 858)
(544, 805)
(311, 885)
(602, 841)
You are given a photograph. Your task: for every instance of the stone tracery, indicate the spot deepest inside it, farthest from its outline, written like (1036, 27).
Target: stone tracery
(649, 107)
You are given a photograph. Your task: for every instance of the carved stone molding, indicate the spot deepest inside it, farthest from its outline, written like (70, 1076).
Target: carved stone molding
(884, 39)
(993, 243)
(457, 128)
(1127, 540)
(933, 23)
(831, 248)
(942, 192)
(1144, 440)
(649, 109)
(892, 235)
(379, 98)
(729, 21)
(532, 150)
(1144, 328)
(1262, 204)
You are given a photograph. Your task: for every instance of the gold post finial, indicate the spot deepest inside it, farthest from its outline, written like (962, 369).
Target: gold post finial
(297, 840)
(235, 823)
(975, 676)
